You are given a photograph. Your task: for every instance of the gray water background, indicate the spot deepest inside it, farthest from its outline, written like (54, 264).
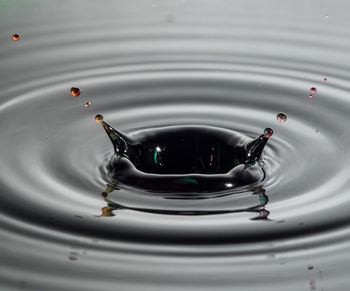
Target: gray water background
(143, 64)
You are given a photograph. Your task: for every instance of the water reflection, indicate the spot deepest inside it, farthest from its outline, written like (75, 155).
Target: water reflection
(259, 208)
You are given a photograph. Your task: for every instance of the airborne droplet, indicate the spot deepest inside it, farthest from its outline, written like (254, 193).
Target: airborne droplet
(75, 92)
(99, 118)
(87, 104)
(16, 37)
(310, 96)
(324, 79)
(281, 117)
(313, 90)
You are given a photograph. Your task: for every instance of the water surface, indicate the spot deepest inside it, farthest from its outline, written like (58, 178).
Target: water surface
(144, 64)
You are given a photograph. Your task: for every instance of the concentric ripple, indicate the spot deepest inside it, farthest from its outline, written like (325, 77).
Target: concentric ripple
(151, 64)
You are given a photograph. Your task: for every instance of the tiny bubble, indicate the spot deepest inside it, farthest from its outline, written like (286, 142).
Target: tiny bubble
(313, 90)
(99, 118)
(16, 37)
(87, 104)
(281, 117)
(75, 92)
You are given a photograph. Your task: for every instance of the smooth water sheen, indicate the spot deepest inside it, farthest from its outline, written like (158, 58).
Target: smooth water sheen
(232, 65)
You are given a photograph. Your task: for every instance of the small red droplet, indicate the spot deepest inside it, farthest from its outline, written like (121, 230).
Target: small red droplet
(87, 104)
(313, 90)
(310, 96)
(310, 267)
(75, 92)
(281, 117)
(324, 79)
(16, 37)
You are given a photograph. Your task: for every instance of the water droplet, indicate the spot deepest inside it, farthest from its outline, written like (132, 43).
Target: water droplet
(16, 37)
(310, 267)
(313, 90)
(75, 92)
(73, 256)
(281, 117)
(268, 132)
(326, 16)
(324, 79)
(310, 96)
(99, 118)
(87, 104)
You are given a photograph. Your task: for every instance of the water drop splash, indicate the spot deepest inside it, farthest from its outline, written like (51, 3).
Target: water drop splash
(313, 90)
(185, 158)
(75, 92)
(87, 104)
(255, 148)
(281, 117)
(16, 37)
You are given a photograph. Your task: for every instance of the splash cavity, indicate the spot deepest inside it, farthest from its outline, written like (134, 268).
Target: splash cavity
(185, 158)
